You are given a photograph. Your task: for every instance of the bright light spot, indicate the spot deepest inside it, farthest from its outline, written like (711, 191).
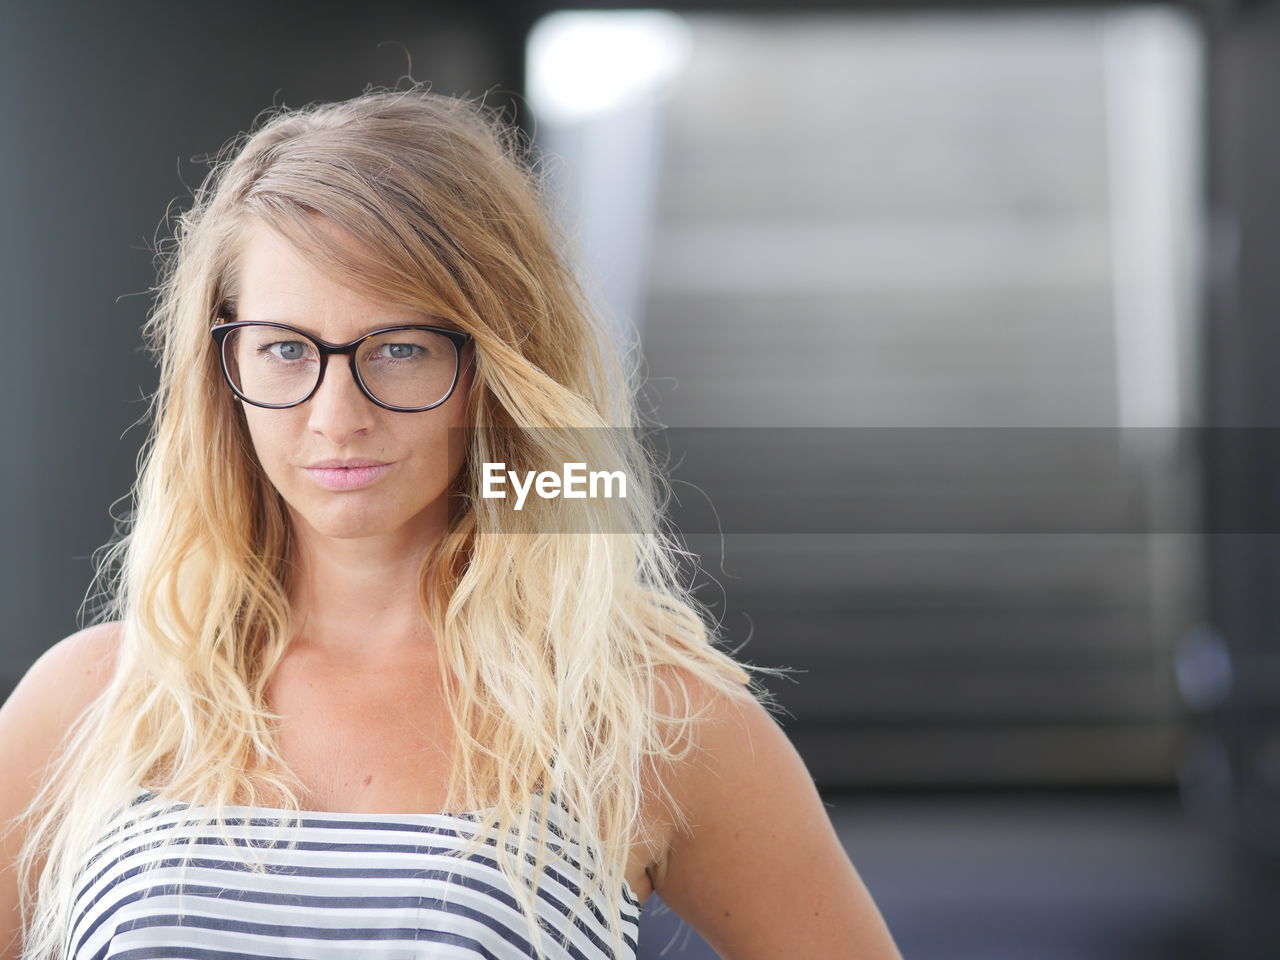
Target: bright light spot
(589, 63)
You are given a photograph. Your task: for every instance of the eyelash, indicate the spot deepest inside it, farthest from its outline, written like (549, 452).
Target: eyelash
(419, 350)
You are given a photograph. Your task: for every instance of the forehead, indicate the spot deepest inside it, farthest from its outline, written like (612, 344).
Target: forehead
(278, 283)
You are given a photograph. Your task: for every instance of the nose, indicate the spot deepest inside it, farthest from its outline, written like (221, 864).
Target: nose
(339, 410)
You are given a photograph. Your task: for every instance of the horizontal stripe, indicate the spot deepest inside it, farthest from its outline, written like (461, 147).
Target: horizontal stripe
(380, 886)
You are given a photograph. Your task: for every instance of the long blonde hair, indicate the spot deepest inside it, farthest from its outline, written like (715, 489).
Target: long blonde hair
(559, 648)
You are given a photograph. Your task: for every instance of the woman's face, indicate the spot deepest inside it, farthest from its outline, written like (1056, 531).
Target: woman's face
(408, 499)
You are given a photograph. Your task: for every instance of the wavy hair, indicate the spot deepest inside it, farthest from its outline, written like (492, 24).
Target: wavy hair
(567, 656)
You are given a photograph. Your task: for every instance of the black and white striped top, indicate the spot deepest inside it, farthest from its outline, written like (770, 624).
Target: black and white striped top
(365, 885)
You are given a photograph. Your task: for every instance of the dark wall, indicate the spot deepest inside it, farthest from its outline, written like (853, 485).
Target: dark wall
(1238, 781)
(107, 109)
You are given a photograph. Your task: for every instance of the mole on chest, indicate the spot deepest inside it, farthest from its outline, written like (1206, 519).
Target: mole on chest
(371, 748)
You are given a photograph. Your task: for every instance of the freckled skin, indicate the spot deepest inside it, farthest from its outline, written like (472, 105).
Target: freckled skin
(409, 503)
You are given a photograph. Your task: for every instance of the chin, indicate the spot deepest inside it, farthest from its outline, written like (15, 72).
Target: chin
(346, 531)
(351, 517)
(342, 521)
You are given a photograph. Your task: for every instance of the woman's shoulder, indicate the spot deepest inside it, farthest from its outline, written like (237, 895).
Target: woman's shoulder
(34, 723)
(758, 842)
(81, 665)
(715, 727)
(64, 680)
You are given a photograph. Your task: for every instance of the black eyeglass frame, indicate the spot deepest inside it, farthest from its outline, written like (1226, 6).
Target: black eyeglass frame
(458, 338)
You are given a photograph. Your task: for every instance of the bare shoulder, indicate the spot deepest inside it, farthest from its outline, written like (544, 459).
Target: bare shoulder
(72, 671)
(718, 723)
(759, 870)
(52, 694)
(85, 659)
(727, 732)
(33, 723)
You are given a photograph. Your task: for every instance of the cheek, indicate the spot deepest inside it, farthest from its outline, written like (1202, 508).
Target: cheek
(446, 441)
(431, 447)
(436, 453)
(265, 436)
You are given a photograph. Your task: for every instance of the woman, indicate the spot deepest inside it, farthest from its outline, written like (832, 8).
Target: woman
(332, 676)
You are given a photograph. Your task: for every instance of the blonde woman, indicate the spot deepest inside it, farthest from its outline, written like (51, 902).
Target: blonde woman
(339, 704)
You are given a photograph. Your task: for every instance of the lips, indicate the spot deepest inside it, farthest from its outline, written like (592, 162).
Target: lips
(360, 474)
(345, 464)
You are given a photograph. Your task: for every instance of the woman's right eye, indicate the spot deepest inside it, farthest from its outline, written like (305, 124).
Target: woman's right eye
(285, 349)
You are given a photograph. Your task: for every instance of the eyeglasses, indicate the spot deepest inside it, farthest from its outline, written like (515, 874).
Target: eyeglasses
(407, 368)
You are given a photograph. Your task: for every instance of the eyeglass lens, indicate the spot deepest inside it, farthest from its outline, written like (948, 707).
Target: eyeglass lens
(402, 368)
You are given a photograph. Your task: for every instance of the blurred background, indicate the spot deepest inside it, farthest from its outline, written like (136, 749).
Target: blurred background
(1035, 227)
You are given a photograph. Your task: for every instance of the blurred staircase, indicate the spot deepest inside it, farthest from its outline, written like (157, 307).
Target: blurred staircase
(888, 220)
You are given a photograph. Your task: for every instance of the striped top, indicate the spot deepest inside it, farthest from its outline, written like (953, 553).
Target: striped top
(368, 885)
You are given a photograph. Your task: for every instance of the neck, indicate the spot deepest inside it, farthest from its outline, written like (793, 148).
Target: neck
(359, 598)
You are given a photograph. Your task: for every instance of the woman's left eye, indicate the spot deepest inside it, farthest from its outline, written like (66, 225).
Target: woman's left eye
(398, 351)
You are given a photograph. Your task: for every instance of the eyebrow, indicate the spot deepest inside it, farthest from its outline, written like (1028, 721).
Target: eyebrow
(430, 321)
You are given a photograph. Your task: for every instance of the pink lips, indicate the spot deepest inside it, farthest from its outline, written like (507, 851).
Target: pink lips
(348, 477)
